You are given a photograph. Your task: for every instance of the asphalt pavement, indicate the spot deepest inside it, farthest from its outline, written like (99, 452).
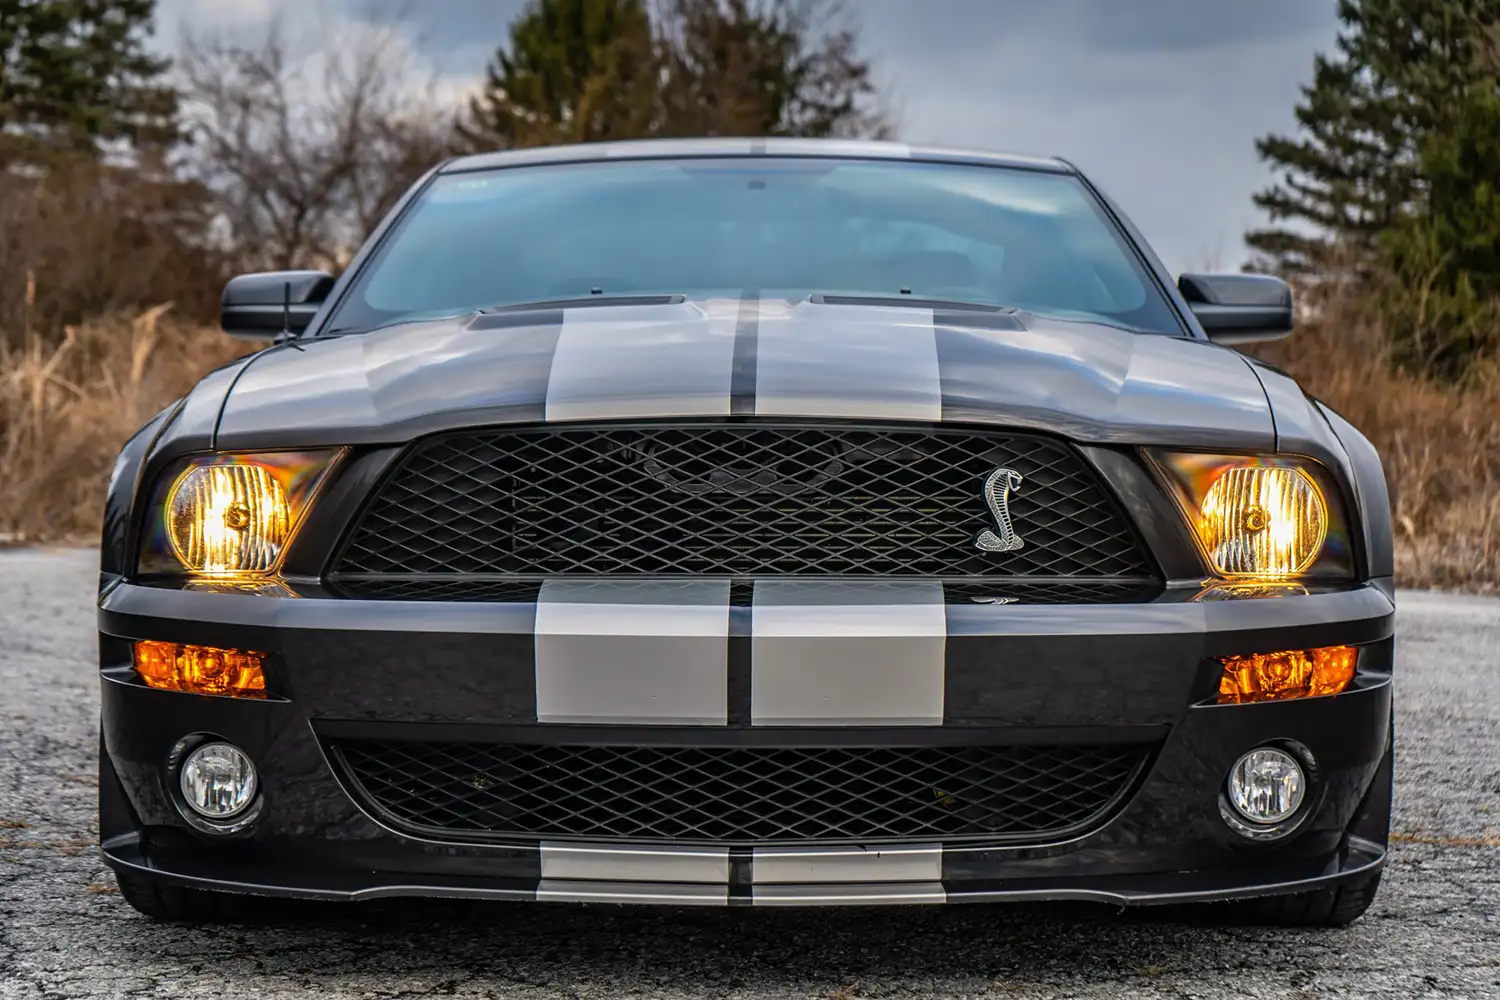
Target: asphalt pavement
(65, 932)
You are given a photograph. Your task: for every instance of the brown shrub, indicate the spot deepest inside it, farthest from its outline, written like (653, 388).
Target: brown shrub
(67, 404)
(82, 240)
(1439, 442)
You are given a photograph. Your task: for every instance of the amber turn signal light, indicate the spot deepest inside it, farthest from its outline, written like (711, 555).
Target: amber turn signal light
(1294, 673)
(175, 666)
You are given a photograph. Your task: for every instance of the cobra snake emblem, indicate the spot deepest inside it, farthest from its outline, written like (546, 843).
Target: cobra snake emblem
(997, 490)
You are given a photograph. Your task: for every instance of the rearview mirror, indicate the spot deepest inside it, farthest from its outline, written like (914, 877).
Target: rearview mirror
(1239, 308)
(271, 304)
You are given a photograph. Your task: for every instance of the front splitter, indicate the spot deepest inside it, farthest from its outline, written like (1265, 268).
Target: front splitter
(1358, 858)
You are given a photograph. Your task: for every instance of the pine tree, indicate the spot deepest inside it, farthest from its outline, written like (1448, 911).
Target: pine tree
(75, 74)
(777, 67)
(1401, 70)
(575, 71)
(595, 70)
(1441, 264)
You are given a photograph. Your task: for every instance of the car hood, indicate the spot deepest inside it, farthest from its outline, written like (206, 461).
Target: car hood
(749, 357)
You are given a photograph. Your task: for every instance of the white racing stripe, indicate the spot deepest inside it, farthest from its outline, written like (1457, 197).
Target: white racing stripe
(867, 894)
(633, 652)
(634, 863)
(907, 863)
(622, 362)
(837, 147)
(662, 893)
(847, 653)
(849, 361)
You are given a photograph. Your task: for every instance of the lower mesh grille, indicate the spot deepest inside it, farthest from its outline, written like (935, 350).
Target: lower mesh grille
(739, 794)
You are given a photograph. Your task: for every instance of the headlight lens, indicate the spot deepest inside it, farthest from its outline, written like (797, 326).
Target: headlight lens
(1263, 517)
(1263, 521)
(224, 519)
(231, 516)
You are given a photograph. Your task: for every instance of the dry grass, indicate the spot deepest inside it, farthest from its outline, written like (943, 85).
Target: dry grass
(1440, 445)
(67, 405)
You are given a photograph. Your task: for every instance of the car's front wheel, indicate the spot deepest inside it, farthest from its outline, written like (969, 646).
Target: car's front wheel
(165, 901)
(1336, 906)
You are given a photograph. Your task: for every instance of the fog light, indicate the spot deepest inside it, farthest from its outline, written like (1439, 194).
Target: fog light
(218, 781)
(1294, 673)
(175, 666)
(1267, 786)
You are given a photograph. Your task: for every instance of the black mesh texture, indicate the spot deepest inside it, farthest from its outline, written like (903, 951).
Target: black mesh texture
(459, 589)
(748, 499)
(487, 590)
(1061, 592)
(740, 794)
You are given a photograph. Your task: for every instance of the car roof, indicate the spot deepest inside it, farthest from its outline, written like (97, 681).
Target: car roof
(653, 149)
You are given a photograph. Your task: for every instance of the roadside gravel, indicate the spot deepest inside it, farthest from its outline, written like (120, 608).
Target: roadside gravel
(64, 932)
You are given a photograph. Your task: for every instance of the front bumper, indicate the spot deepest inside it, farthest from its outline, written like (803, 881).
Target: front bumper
(832, 660)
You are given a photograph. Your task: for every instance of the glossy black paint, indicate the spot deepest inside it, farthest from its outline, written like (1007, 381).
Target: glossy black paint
(1239, 308)
(1303, 428)
(119, 497)
(1103, 686)
(272, 304)
(1090, 383)
(1136, 670)
(1371, 494)
(353, 482)
(1166, 535)
(184, 427)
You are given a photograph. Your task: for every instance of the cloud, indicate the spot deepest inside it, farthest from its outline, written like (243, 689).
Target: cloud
(457, 35)
(1160, 108)
(1190, 25)
(309, 28)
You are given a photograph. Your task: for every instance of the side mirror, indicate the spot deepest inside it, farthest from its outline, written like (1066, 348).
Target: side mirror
(1239, 308)
(267, 305)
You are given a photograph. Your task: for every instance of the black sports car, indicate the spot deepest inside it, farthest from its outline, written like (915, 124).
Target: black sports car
(749, 522)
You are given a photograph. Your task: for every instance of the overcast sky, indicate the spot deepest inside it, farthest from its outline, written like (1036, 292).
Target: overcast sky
(1159, 101)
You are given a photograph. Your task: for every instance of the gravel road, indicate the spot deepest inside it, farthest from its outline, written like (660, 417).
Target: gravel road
(64, 932)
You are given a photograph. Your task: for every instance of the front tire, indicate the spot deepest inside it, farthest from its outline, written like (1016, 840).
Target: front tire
(179, 904)
(1337, 906)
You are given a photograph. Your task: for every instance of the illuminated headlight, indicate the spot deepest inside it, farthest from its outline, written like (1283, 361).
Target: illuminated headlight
(227, 516)
(1266, 517)
(227, 519)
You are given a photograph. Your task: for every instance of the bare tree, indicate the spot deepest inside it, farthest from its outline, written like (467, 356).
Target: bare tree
(303, 155)
(85, 237)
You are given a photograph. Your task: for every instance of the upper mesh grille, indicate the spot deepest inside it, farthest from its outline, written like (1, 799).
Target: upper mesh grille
(748, 499)
(490, 590)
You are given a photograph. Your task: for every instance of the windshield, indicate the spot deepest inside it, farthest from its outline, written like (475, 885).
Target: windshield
(782, 228)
